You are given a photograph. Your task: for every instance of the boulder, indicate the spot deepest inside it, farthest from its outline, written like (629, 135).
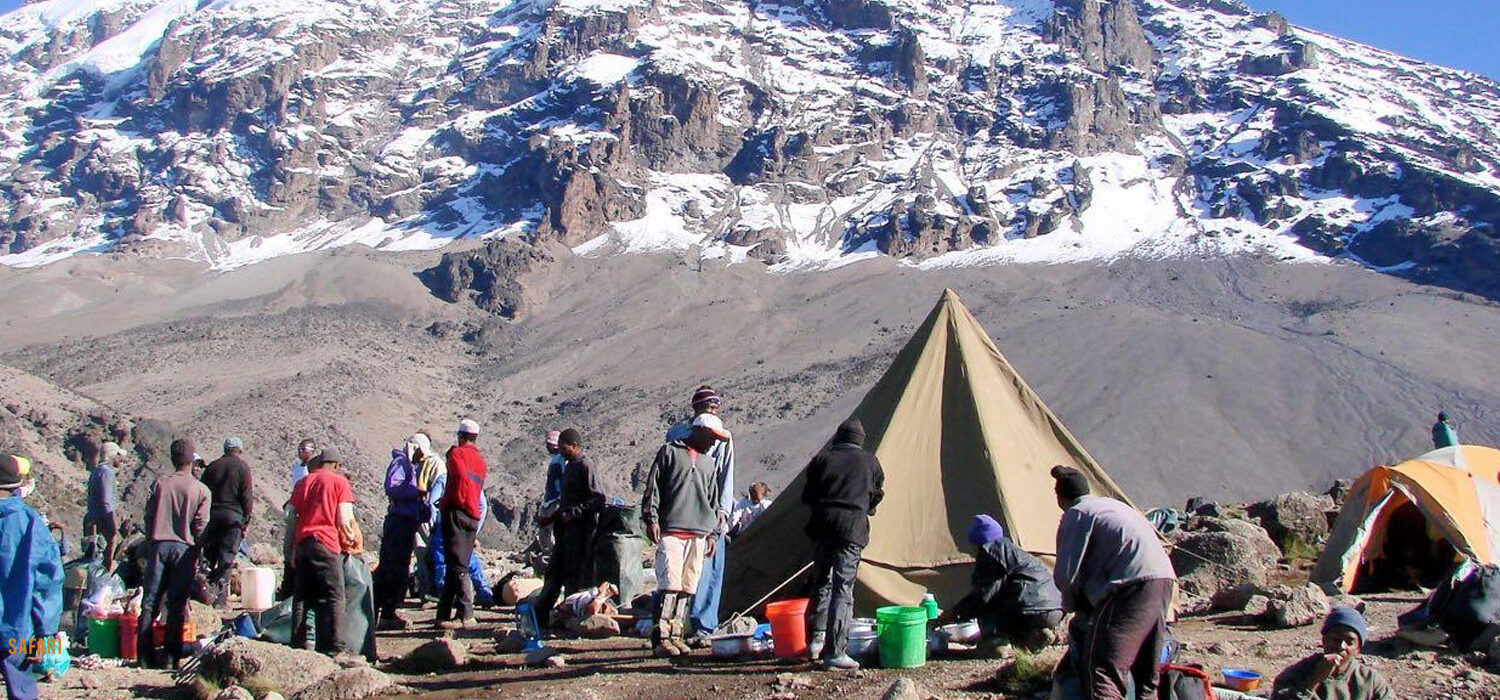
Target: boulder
(234, 692)
(1238, 597)
(1209, 562)
(443, 654)
(348, 684)
(1257, 606)
(274, 666)
(540, 657)
(1294, 517)
(263, 554)
(1260, 540)
(1298, 607)
(903, 689)
(519, 588)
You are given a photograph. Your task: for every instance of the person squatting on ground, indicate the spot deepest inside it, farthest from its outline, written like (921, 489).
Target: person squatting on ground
(99, 517)
(844, 485)
(462, 507)
(407, 480)
(1337, 673)
(323, 505)
(579, 504)
(704, 614)
(1112, 571)
(681, 510)
(177, 512)
(232, 488)
(31, 581)
(1012, 593)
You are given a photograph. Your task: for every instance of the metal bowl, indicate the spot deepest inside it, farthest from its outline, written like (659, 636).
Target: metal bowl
(966, 632)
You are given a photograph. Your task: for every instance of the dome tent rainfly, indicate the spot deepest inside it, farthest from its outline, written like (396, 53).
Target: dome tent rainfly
(1453, 489)
(958, 432)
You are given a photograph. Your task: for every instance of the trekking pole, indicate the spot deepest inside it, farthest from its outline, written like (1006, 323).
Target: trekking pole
(765, 597)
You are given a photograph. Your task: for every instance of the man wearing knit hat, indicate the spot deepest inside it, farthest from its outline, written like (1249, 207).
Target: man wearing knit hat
(1012, 593)
(232, 486)
(1337, 673)
(704, 613)
(177, 512)
(31, 580)
(844, 485)
(1112, 571)
(462, 507)
(680, 509)
(99, 517)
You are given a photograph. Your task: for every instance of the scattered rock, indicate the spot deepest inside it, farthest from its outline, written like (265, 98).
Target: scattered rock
(1224, 648)
(234, 692)
(1300, 607)
(794, 681)
(348, 684)
(1238, 597)
(539, 657)
(1294, 517)
(595, 627)
(903, 689)
(263, 554)
(1347, 600)
(442, 654)
(279, 667)
(1257, 606)
(558, 661)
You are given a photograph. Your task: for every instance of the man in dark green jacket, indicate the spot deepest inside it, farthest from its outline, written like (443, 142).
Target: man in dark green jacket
(1337, 673)
(681, 512)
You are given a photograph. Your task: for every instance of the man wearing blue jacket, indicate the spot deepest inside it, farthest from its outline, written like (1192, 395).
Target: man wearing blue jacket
(30, 581)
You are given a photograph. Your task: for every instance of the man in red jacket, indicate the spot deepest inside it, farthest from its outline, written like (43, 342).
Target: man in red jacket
(461, 508)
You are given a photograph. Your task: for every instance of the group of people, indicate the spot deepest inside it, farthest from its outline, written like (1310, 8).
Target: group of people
(1112, 572)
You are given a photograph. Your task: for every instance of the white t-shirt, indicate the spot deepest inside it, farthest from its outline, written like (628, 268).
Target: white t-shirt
(745, 512)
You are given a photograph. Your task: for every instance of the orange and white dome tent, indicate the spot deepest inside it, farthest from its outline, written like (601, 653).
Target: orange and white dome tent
(1455, 489)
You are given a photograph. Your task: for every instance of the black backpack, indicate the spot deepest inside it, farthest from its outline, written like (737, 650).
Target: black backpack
(1473, 605)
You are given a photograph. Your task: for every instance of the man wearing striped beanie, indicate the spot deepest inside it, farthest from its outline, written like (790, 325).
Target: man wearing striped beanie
(704, 613)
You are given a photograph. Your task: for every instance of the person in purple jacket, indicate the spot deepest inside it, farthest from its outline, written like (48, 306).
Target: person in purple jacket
(406, 487)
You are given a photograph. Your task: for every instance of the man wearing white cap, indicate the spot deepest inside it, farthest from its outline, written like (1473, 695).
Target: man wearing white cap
(462, 507)
(681, 511)
(99, 518)
(704, 615)
(551, 491)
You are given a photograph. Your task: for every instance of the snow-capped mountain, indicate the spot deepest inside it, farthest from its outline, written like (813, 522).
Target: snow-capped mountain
(799, 133)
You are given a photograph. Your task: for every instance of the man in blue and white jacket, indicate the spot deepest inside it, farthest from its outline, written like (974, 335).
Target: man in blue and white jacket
(31, 581)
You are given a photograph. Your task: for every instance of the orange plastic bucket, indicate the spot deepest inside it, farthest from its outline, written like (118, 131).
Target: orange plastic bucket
(788, 626)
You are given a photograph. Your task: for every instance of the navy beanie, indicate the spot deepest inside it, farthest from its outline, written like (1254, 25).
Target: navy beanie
(1345, 616)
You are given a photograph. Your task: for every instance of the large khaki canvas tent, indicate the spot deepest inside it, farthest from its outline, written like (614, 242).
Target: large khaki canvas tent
(958, 432)
(1410, 520)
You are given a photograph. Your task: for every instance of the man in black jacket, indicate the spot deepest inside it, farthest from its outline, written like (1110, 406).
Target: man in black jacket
(1013, 595)
(577, 517)
(844, 484)
(230, 483)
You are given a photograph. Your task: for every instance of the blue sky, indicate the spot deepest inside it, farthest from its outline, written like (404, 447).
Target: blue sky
(1458, 33)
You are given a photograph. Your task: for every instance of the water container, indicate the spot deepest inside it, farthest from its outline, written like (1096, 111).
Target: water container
(903, 636)
(929, 603)
(104, 637)
(788, 627)
(257, 588)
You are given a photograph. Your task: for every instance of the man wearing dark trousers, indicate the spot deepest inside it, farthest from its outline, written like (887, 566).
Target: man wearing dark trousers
(176, 515)
(1112, 571)
(232, 488)
(844, 485)
(323, 505)
(577, 517)
(462, 507)
(99, 518)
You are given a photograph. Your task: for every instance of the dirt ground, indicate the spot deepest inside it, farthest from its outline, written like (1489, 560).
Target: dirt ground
(623, 669)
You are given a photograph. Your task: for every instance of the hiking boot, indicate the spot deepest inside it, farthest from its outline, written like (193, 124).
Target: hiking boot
(392, 623)
(666, 650)
(815, 645)
(842, 662)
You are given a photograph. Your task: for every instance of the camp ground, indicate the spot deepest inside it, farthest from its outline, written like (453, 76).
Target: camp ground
(960, 432)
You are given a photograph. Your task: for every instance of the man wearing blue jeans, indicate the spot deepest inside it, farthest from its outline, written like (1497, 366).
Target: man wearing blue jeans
(176, 514)
(30, 581)
(704, 614)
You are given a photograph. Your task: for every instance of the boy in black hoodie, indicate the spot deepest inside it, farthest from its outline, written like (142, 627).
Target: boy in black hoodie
(844, 484)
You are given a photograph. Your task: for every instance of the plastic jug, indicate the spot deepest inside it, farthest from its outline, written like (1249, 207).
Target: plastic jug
(257, 588)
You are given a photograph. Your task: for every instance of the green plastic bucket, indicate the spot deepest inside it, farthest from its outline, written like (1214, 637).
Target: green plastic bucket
(104, 637)
(903, 636)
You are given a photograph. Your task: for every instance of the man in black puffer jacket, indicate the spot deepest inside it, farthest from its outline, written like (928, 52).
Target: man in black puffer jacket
(844, 484)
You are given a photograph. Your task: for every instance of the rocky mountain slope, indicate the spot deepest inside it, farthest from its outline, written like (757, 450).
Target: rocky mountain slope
(800, 134)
